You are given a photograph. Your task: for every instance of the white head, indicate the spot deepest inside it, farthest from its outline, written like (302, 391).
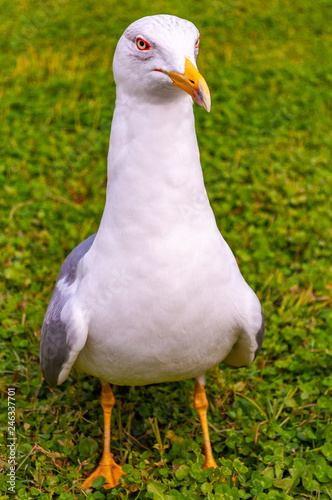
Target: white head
(156, 56)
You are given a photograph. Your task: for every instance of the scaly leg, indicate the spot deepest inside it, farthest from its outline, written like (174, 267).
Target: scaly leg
(201, 404)
(107, 467)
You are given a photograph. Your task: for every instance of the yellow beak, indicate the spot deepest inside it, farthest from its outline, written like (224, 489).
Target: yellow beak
(192, 82)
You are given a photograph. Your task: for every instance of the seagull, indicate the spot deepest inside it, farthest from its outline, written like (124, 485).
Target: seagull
(156, 294)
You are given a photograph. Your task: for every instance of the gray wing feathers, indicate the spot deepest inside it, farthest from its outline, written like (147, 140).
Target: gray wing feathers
(55, 345)
(260, 336)
(246, 347)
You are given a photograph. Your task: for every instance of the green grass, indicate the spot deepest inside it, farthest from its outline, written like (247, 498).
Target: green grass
(266, 156)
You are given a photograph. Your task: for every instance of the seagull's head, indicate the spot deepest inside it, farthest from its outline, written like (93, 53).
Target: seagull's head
(156, 57)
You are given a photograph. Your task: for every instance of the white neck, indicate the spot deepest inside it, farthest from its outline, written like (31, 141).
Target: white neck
(153, 163)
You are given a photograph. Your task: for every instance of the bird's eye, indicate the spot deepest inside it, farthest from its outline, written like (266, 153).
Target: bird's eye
(142, 44)
(197, 43)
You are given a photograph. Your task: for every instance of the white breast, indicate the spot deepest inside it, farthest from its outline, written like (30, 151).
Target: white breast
(161, 288)
(169, 314)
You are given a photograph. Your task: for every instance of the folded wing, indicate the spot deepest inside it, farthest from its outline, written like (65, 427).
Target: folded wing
(63, 335)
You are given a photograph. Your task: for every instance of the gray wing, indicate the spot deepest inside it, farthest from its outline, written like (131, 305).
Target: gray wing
(260, 336)
(55, 343)
(247, 347)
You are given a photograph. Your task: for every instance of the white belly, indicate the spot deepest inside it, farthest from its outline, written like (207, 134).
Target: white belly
(169, 316)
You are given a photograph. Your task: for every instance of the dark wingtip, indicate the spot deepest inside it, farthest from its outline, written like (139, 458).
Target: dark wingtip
(54, 350)
(260, 336)
(50, 373)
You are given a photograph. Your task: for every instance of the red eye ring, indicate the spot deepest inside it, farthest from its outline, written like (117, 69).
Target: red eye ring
(197, 43)
(142, 44)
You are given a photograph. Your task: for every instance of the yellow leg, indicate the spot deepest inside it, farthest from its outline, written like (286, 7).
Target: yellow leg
(107, 467)
(201, 404)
